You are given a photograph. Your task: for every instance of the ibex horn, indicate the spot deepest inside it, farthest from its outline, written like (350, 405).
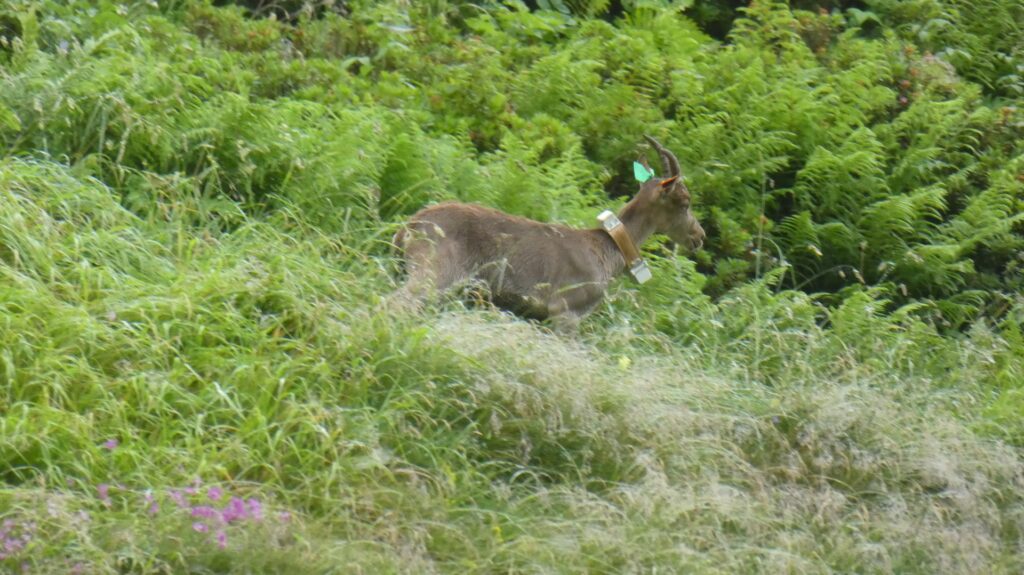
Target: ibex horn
(667, 158)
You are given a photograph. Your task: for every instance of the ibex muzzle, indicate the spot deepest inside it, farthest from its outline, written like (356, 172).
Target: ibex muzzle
(535, 269)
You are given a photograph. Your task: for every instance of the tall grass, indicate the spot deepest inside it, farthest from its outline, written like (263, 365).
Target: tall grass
(145, 356)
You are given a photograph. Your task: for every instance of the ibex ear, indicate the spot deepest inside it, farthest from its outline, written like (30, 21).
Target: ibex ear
(665, 187)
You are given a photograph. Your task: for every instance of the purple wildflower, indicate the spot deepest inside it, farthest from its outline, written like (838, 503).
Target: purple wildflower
(214, 493)
(284, 516)
(194, 488)
(104, 491)
(111, 444)
(222, 539)
(255, 509)
(204, 511)
(178, 498)
(234, 510)
(154, 507)
(200, 527)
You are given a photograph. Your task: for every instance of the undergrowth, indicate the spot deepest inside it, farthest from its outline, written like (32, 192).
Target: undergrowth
(198, 374)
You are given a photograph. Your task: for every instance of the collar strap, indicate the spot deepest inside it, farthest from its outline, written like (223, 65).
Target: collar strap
(634, 263)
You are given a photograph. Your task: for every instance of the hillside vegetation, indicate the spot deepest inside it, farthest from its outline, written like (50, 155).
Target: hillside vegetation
(196, 205)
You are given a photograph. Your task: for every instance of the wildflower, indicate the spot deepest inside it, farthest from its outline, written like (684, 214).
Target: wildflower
(194, 488)
(234, 510)
(111, 444)
(255, 509)
(222, 539)
(284, 517)
(178, 497)
(104, 492)
(200, 527)
(154, 508)
(214, 493)
(204, 511)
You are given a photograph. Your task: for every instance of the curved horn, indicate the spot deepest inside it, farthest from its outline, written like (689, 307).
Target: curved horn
(667, 158)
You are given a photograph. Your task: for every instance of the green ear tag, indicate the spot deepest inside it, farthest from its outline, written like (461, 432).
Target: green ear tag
(641, 173)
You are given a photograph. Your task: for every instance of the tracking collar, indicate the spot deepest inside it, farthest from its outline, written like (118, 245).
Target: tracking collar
(634, 263)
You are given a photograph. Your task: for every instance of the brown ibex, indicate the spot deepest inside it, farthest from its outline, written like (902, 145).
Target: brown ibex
(543, 270)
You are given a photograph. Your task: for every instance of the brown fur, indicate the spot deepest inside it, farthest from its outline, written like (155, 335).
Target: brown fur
(535, 269)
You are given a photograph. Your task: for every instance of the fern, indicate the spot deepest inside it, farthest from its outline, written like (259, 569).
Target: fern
(840, 182)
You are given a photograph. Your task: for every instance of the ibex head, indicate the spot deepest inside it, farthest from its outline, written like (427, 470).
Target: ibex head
(668, 201)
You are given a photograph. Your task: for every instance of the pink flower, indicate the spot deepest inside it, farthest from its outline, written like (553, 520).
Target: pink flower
(200, 527)
(204, 511)
(222, 539)
(255, 509)
(154, 507)
(234, 510)
(284, 516)
(178, 498)
(214, 493)
(104, 492)
(111, 444)
(196, 483)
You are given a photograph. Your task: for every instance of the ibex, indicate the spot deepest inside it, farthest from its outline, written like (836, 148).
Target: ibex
(540, 270)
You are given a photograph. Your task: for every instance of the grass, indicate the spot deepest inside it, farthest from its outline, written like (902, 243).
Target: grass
(197, 374)
(148, 356)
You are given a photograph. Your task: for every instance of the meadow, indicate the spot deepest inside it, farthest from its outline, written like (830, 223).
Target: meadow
(197, 374)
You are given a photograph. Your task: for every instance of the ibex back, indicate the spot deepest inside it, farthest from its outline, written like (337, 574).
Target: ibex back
(535, 269)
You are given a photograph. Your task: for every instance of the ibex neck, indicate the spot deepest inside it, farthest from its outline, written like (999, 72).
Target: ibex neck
(636, 219)
(636, 222)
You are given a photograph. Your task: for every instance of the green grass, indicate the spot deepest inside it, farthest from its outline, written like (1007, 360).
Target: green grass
(199, 373)
(465, 440)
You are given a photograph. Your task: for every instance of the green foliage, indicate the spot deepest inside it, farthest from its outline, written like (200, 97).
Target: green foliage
(196, 205)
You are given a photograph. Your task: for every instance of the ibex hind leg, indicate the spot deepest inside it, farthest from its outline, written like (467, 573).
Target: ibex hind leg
(424, 285)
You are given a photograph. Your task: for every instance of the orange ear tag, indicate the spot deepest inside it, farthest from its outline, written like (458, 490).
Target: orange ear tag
(668, 181)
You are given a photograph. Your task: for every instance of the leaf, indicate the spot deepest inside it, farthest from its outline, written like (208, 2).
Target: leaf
(9, 120)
